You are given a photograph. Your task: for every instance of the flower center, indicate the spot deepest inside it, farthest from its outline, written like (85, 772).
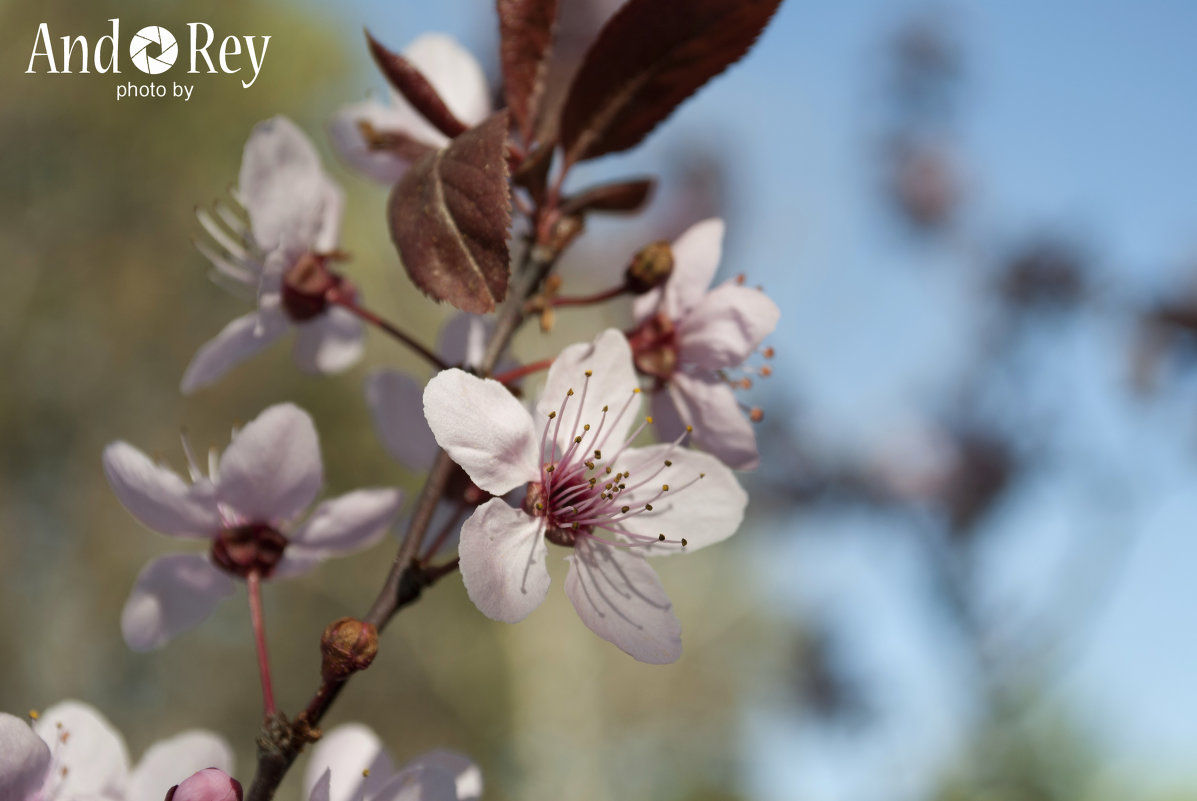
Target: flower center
(655, 347)
(249, 548)
(306, 286)
(580, 493)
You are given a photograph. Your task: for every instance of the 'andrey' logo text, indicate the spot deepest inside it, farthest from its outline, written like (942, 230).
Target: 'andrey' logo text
(153, 50)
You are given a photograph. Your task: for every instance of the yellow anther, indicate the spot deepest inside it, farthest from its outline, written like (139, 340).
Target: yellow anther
(684, 543)
(365, 773)
(586, 427)
(649, 419)
(689, 429)
(569, 394)
(608, 469)
(702, 475)
(552, 415)
(549, 469)
(660, 538)
(636, 391)
(665, 488)
(589, 373)
(668, 463)
(540, 507)
(34, 714)
(625, 509)
(648, 507)
(577, 440)
(604, 408)
(598, 454)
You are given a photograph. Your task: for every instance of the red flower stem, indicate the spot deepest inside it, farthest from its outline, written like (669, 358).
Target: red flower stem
(587, 300)
(349, 304)
(516, 373)
(255, 613)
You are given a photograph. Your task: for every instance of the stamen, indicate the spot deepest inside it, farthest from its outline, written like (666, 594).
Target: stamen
(219, 234)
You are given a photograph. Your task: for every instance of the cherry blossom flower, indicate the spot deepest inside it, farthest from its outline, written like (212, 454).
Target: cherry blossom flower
(457, 78)
(587, 489)
(294, 211)
(209, 784)
(245, 507)
(691, 339)
(72, 752)
(349, 764)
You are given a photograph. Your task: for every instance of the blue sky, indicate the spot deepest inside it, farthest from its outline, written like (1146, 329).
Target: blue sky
(1077, 117)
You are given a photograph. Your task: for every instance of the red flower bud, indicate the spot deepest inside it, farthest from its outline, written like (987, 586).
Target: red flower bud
(347, 646)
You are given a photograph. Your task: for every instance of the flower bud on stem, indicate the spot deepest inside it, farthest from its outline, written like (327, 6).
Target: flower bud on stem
(347, 646)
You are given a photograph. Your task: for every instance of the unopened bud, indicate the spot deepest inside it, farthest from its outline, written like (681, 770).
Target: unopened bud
(649, 268)
(347, 646)
(306, 286)
(210, 784)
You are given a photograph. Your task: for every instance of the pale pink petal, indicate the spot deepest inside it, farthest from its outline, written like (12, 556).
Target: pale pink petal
(236, 342)
(484, 428)
(463, 339)
(612, 383)
(704, 503)
(503, 561)
(696, 255)
(720, 425)
(383, 166)
(396, 403)
(208, 784)
(350, 522)
(158, 497)
(284, 188)
(321, 789)
(90, 757)
(173, 593)
(454, 73)
(346, 752)
(666, 419)
(330, 343)
(418, 783)
(272, 470)
(467, 775)
(168, 762)
(619, 597)
(24, 760)
(726, 326)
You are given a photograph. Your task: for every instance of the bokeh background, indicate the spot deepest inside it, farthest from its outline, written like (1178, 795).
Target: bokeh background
(968, 570)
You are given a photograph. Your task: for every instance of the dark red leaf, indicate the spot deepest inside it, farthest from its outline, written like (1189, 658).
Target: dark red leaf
(449, 216)
(650, 57)
(417, 89)
(614, 198)
(526, 31)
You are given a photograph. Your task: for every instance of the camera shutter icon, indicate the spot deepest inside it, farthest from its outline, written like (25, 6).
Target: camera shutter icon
(153, 49)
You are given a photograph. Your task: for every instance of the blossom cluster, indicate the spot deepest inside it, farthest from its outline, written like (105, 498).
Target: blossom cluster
(580, 470)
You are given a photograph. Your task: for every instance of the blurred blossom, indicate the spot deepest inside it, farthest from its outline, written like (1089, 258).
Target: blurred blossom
(457, 78)
(267, 477)
(72, 753)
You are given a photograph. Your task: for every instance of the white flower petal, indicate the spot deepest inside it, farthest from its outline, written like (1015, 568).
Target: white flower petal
(720, 426)
(345, 753)
(463, 339)
(272, 470)
(158, 497)
(24, 760)
(235, 343)
(454, 73)
(172, 594)
(696, 255)
(726, 326)
(619, 597)
(467, 775)
(503, 561)
(418, 783)
(705, 512)
(286, 192)
(612, 383)
(330, 343)
(349, 523)
(383, 166)
(396, 403)
(484, 428)
(168, 762)
(90, 757)
(207, 784)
